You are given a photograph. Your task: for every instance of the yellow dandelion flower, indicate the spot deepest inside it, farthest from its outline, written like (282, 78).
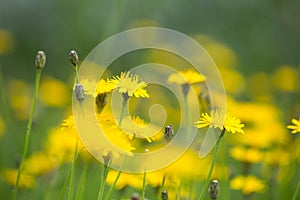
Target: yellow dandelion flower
(295, 127)
(220, 120)
(39, 163)
(94, 88)
(250, 155)
(247, 184)
(130, 84)
(136, 127)
(113, 133)
(186, 77)
(54, 92)
(10, 177)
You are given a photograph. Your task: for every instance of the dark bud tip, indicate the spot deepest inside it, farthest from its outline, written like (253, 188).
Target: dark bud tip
(73, 57)
(164, 195)
(40, 59)
(214, 189)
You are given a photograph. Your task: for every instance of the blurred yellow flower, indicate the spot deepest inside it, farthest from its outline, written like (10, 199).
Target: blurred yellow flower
(130, 84)
(20, 97)
(10, 177)
(218, 119)
(286, 78)
(53, 92)
(136, 127)
(39, 163)
(295, 127)
(6, 41)
(101, 87)
(186, 77)
(247, 184)
(248, 155)
(1, 127)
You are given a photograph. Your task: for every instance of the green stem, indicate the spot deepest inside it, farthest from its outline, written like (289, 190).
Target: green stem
(27, 135)
(72, 171)
(205, 187)
(297, 191)
(82, 182)
(144, 186)
(103, 180)
(113, 186)
(161, 187)
(64, 187)
(178, 191)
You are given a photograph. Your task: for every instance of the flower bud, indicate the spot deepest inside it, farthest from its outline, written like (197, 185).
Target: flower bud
(135, 196)
(214, 189)
(168, 133)
(73, 57)
(164, 195)
(40, 59)
(79, 92)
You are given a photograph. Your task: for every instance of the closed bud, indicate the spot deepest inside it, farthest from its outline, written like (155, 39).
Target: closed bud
(164, 195)
(168, 133)
(40, 59)
(135, 196)
(73, 57)
(214, 189)
(79, 92)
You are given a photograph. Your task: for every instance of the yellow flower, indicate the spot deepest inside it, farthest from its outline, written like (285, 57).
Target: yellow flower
(7, 41)
(250, 155)
(295, 127)
(220, 120)
(93, 88)
(54, 92)
(186, 77)
(39, 163)
(10, 177)
(130, 84)
(286, 79)
(136, 127)
(247, 184)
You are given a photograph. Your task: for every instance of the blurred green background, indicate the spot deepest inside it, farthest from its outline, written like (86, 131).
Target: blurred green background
(256, 36)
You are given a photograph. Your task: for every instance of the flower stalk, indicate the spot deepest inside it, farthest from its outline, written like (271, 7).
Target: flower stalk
(205, 187)
(40, 62)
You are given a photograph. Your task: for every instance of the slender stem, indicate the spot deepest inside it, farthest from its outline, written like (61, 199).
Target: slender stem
(161, 188)
(72, 171)
(103, 180)
(205, 187)
(63, 191)
(113, 186)
(82, 182)
(297, 191)
(27, 135)
(144, 186)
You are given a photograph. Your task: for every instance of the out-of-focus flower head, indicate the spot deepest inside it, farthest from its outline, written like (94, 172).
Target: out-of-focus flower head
(248, 155)
(53, 92)
(247, 184)
(131, 85)
(10, 177)
(295, 127)
(220, 120)
(186, 77)
(286, 78)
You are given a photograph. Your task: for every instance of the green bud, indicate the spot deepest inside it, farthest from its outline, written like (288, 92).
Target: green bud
(40, 59)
